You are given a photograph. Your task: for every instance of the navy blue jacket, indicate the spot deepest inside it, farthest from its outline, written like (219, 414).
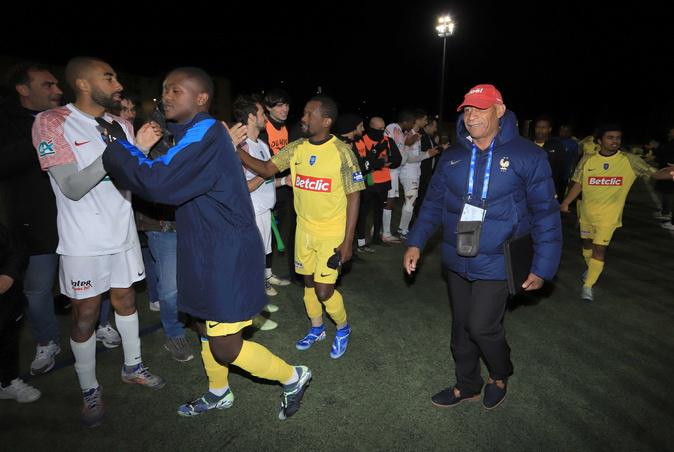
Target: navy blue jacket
(220, 252)
(521, 199)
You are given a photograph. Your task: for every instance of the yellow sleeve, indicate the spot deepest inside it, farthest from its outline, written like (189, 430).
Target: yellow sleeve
(578, 172)
(285, 155)
(352, 179)
(639, 166)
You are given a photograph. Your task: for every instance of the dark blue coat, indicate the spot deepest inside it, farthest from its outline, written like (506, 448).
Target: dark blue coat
(521, 198)
(220, 253)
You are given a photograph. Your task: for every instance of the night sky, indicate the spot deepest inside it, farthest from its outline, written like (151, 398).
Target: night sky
(575, 60)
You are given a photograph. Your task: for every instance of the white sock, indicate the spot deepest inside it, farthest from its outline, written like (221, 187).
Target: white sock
(294, 379)
(128, 330)
(267, 273)
(85, 362)
(405, 218)
(386, 222)
(361, 242)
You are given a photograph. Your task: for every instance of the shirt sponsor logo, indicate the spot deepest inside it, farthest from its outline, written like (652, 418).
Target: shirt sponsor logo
(81, 286)
(606, 181)
(319, 184)
(46, 148)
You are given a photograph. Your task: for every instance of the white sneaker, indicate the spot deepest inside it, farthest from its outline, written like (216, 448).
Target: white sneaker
(667, 225)
(271, 292)
(44, 358)
(390, 239)
(660, 216)
(154, 306)
(108, 336)
(271, 308)
(264, 324)
(20, 391)
(275, 280)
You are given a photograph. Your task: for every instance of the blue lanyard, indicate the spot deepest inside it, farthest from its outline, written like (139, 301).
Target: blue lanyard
(487, 172)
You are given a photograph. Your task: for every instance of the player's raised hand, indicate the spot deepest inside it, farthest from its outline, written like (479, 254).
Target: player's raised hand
(148, 136)
(238, 132)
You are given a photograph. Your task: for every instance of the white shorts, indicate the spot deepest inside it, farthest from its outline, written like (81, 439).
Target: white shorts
(393, 192)
(410, 183)
(263, 222)
(87, 276)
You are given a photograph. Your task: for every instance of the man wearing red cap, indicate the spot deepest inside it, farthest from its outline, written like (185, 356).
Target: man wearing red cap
(490, 186)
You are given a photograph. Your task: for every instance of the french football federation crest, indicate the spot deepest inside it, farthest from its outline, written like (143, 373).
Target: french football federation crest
(605, 166)
(505, 163)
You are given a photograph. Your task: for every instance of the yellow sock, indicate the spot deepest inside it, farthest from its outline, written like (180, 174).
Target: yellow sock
(587, 255)
(216, 372)
(311, 303)
(335, 308)
(594, 269)
(260, 362)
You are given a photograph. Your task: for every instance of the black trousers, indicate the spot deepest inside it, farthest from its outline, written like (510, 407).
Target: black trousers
(366, 206)
(11, 308)
(284, 210)
(478, 308)
(380, 195)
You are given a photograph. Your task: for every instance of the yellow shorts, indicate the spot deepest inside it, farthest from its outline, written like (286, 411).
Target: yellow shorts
(225, 329)
(600, 235)
(312, 254)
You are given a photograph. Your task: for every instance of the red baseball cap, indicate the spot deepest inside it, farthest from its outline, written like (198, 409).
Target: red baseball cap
(481, 96)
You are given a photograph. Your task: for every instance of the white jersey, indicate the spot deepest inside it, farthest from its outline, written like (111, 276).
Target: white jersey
(101, 222)
(414, 150)
(264, 197)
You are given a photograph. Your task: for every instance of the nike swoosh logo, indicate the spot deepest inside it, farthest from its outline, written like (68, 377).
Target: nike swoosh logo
(82, 143)
(298, 163)
(141, 273)
(323, 276)
(213, 324)
(591, 169)
(454, 162)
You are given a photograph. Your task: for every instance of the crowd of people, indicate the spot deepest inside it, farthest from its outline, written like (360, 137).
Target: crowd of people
(99, 200)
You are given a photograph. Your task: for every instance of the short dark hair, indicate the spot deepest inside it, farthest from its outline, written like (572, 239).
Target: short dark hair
(405, 115)
(607, 127)
(275, 96)
(19, 74)
(328, 107)
(200, 76)
(419, 113)
(545, 118)
(77, 66)
(134, 99)
(244, 105)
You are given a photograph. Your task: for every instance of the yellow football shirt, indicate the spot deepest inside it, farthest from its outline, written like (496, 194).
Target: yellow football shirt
(322, 176)
(605, 183)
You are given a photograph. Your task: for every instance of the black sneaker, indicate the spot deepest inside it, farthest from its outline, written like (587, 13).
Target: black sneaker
(493, 395)
(292, 394)
(447, 399)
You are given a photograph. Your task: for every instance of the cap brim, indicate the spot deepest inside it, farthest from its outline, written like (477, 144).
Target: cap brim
(477, 102)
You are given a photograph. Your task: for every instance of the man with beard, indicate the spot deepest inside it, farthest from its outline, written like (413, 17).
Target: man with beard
(326, 185)
(98, 243)
(32, 223)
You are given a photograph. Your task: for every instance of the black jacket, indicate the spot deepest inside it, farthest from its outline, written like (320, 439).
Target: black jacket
(31, 206)
(557, 158)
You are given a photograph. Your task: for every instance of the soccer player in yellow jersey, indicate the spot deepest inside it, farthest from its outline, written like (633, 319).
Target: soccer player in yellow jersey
(326, 183)
(605, 179)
